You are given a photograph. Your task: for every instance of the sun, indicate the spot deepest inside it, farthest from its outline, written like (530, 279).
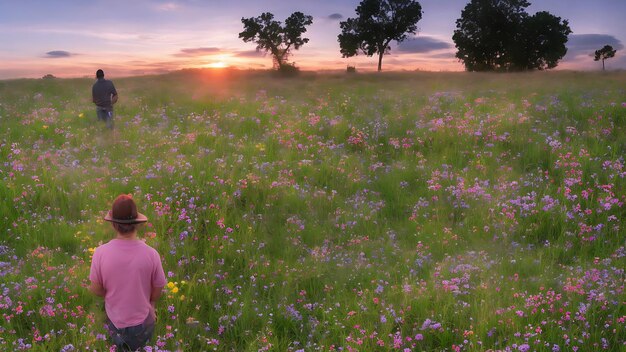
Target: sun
(217, 64)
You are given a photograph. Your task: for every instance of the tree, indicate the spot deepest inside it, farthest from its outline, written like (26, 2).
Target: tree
(500, 35)
(378, 23)
(273, 37)
(543, 37)
(606, 52)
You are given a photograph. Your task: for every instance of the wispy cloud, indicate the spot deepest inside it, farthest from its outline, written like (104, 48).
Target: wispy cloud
(194, 52)
(167, 7)
(423, 44)
(443, 55)
(56, 54)
(250, 53)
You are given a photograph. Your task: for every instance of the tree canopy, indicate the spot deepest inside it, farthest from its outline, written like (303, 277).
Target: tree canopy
(271, 36)
(606, 52)
(499, 35)
(378, 22)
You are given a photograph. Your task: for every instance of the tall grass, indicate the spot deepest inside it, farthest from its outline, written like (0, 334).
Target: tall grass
(400, 211)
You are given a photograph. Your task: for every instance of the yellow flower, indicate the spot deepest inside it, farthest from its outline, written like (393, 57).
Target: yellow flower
(182, 297)
(45, 127)
(81, 115)
(175, 290)
(170, 285)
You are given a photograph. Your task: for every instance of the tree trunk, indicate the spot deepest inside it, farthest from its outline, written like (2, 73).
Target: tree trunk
(380, 61)
(602, 64)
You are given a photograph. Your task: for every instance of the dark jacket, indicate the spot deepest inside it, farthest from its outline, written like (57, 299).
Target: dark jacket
(101, 93)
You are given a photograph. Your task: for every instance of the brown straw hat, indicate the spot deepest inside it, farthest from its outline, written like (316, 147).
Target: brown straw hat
(124, 211)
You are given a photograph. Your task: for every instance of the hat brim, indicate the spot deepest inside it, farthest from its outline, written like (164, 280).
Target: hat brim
(140, 219)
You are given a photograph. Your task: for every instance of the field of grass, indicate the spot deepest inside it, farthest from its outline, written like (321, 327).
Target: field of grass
(365, 212)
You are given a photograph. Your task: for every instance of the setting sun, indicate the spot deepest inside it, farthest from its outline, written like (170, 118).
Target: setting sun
(218, 64)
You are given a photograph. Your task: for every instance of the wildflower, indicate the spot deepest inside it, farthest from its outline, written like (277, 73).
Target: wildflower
(68, 348)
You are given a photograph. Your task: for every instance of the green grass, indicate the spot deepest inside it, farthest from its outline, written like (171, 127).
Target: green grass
(326, 211)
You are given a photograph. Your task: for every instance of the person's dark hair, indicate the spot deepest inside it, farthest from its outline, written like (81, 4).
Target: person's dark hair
(100, 74)
(124, 228)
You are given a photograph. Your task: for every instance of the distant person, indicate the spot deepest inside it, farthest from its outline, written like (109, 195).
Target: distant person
(129, 275)
(104, 95)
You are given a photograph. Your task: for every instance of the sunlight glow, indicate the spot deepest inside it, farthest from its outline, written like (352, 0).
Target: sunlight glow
(218, 64)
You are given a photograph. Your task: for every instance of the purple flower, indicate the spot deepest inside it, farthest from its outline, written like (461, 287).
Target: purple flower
(67, 348)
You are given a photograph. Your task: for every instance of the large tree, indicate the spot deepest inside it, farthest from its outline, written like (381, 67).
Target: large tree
(378, 22)
(606, 52)
(500, 35)
(273, 37)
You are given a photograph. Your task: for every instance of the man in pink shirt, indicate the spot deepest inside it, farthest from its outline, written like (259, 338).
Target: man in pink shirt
(129, 275)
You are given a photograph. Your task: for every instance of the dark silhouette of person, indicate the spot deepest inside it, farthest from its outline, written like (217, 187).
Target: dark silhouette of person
(104, 95)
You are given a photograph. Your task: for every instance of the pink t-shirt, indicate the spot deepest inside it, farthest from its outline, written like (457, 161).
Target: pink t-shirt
(128, 270)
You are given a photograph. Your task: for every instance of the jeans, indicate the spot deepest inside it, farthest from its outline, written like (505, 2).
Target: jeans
(131, 338)
(106, 115)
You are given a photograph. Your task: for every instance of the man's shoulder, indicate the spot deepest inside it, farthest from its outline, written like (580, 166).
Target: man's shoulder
(110, 84)
(149, 247)
(151, 250)
(104, 245)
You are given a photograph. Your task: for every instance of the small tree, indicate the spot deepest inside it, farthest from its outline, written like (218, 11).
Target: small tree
(378, 23)
(606, 52)
(273, 37)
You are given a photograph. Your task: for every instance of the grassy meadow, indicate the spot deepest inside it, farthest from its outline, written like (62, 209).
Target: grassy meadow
(326, 212)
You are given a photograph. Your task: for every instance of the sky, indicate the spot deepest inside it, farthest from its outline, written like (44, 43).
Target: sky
(74, 38)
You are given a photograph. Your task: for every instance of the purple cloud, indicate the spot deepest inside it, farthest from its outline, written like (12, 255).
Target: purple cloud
(587, 44)
(250, 53)
(191, 52)
(56, 54)
(335, 16)
(423, 44)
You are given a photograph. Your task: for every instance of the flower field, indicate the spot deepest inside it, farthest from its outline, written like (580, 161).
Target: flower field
(382, 212)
